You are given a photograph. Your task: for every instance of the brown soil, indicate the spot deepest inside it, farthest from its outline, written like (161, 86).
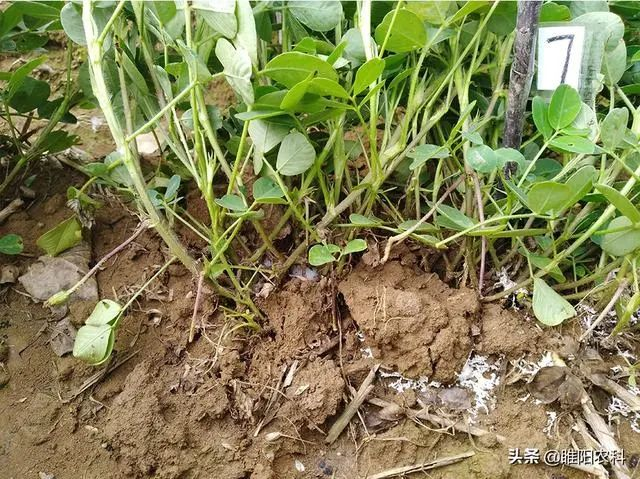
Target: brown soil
(251, 405)
(412, 321)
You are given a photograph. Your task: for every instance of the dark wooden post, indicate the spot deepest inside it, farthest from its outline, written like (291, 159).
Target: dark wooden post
(521, 72)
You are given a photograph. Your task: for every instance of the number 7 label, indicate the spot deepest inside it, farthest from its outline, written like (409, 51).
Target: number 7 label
(560, 51)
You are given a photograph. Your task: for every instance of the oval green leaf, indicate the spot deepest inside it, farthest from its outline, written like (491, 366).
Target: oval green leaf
(548, 197)
(293, 67)
(11, 244)
(406, 32)
(564, 107)
(296, 155)
(319, 255)
(614, 127)
(364, 221)
(318, 15)
(232, 202)
(105, 312)
(267, 191)
(482, 159)
(64, 236)
(574, 144)
(540, 113)
(621, 243)
(355, 246)
(93, 344)
(621, 202)
(548, 306)
(367, 74)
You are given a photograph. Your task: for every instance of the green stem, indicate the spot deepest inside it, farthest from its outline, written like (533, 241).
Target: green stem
(101, 92)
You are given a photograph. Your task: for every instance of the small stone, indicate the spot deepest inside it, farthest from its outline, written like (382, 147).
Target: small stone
(48, 275)
(9, 274)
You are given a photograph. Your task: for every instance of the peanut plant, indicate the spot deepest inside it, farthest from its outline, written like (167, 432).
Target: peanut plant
(368, 119)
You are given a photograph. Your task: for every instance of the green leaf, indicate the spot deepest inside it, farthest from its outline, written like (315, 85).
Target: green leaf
(509, 155)
(354, 51)
(134, 75)
(614, 127)
(94, 344)
(56, 141)
(585, 124)
(580, 183)
(367, 74)
(320, 254)
(237, 69)
(326, 87)
(267, 191)
(293, 67)
(11, 244)
(433, 12)
(503, 20)
(62, 237)
(405, 33)
(482, 159)
(232, 202)
(30, 95)
(247, 38)
(318, 15)
(540, 111)
(423, 228)
(220, 15)
(549, 307)
(614, 63)
(468, 8)
(266, 135)
(548, 197)
(421, 154)
(621, 243)
(213, 113)
(574, 144)
(364, 221)
(172, 187)
(71, 19)
(564, 107)
(621, 202)
(453, 219)
(517, 191)
(355, 246)
(294, 96)
(105, 312)
(552, 12)
(296, 155)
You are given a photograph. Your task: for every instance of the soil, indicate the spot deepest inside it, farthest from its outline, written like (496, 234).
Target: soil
(257, 403)
(254, 405)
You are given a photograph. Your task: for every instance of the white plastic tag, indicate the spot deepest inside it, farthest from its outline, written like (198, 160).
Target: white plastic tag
(560, 52)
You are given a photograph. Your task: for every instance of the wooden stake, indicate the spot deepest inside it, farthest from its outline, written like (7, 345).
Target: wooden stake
(521, 73)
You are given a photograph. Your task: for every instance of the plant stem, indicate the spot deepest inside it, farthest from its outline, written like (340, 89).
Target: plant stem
(101, 92)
